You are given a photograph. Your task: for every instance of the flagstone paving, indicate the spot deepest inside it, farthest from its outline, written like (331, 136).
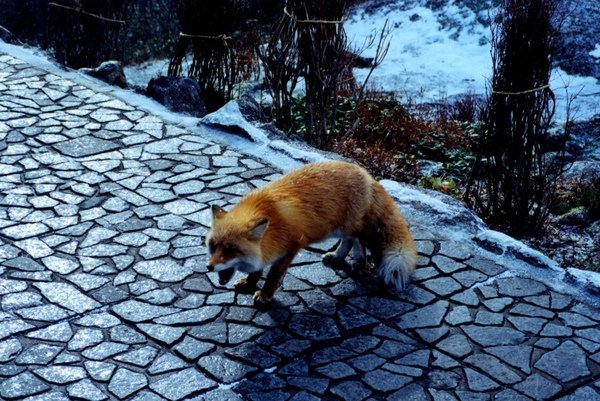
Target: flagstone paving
(104, 292)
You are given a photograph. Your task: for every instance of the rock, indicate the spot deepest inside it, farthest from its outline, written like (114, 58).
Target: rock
(110, 72)
(179, 94)
(251, 110)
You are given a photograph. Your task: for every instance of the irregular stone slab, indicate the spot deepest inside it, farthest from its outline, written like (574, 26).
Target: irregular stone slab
(493, 367)
(576, 320)
(11, 286)
(135, 311)
(224, 369)
(22, 385)
(104, 350)
(167, 362)
(382, 308)
(34, 248)
(491, 336)
(9, 349)
(61, 374)
(86, 390)
(67, 296)
(313, 327)
(179, 385)
(381, 380)
(161, 333)
(100, 371)
(38, 354)
(351, 391)
(22, 231)
(60, 265)
(527, 324)
(163, 270)
(44, 313)
(427, 316)
(583, 393)
(85, 338)
(443, 286)
(566, 363)
(458, 315)
(141, 357)
(101, 320)
(520, 287)
(412, 392)
(50, 396)
(85, 146)
(531, 311)
(126, 382)
(24, 263)
(191, 317)
(516, 356)
(126, 335)
(478, 382)
(254, 354)
(456, 345)
(60, 332)
(538, 387)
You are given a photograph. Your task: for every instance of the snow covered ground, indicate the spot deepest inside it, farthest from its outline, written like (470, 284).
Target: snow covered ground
(430, 60)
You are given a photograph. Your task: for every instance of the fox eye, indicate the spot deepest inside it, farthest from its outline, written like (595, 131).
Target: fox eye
(231, 251)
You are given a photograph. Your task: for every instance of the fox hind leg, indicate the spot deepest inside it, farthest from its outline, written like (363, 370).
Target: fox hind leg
(359, 254)
(340, 253)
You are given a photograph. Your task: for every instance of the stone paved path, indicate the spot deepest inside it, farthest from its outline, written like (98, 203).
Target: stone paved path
(104, 293)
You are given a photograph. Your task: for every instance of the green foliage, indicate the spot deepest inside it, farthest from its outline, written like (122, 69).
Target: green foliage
(441, 184)
(575, 194)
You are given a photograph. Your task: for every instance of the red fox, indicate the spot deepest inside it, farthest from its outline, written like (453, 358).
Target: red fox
(270, 225)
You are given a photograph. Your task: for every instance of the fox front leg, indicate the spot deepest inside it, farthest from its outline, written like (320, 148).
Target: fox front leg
(247, 285)
(274, 278)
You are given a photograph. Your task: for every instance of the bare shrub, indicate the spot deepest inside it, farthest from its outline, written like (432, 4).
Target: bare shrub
(512, 183)
(309, 43)
(207, 28)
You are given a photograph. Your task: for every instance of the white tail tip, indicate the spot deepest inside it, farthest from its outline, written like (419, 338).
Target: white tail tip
(396, 268)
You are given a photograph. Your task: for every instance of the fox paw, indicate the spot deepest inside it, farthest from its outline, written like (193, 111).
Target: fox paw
(243, 286)
(359, 265)
(260, 299)
(331, 258)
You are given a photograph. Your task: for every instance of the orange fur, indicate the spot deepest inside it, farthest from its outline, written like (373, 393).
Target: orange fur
(306, 206)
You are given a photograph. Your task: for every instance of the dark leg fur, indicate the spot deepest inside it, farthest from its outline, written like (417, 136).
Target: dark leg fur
(248, 285)
(274, 278)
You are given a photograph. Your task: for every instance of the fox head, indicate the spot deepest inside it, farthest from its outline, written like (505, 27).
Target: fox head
(234, 244)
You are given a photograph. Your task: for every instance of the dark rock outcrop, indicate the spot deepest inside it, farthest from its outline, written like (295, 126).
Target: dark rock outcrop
(179, 94)
(110, 72)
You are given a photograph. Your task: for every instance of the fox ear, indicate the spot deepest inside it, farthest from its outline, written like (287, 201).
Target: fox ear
(217, 212)
(258, 230)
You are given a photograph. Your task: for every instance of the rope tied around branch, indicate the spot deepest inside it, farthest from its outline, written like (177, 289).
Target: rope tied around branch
(222, 37)
(311, 21)
(525, 92)
(81, 11)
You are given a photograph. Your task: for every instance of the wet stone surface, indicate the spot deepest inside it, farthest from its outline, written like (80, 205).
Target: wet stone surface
(104, 293)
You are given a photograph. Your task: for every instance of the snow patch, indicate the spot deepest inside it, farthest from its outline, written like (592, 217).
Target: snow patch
(596, 52)
(431, 61)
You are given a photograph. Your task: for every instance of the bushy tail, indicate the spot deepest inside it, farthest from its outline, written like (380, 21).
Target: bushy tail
(396, 267)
